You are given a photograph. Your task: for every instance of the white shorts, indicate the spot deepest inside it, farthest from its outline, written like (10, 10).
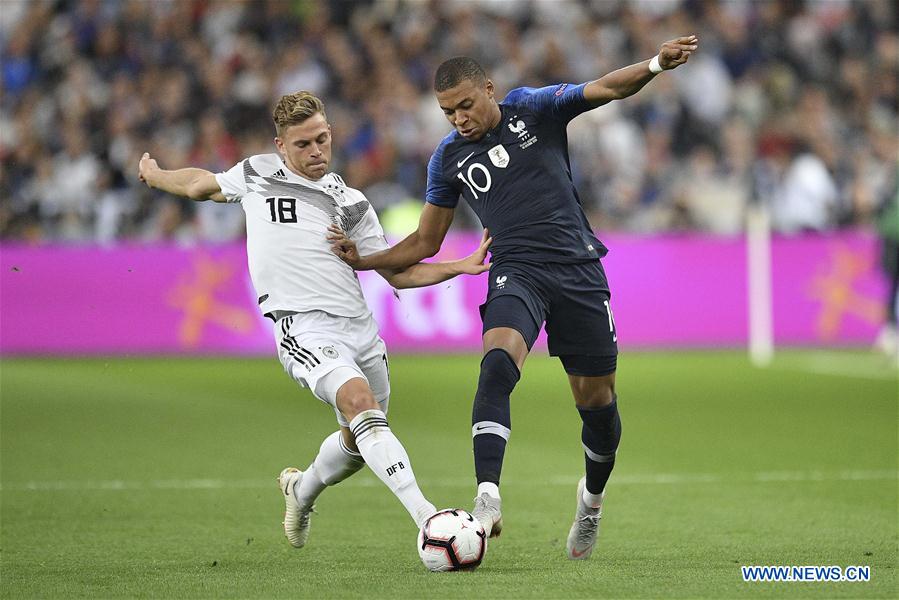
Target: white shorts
(313, 345)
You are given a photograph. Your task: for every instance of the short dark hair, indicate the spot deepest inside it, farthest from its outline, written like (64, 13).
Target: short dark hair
(454, 71)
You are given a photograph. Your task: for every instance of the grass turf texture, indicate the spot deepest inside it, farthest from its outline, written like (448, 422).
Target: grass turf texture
(156, 478)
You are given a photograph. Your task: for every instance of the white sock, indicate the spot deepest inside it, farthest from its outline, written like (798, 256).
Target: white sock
(490, 488)
(592, 500)
(387, 458)
(334, 463)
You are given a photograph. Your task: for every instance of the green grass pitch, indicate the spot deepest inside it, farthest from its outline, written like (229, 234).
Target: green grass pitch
(156, 478)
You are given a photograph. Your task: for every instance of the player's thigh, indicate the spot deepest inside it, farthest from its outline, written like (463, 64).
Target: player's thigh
(580, 320)
(514, 311)
(316, 358)
(375, 365)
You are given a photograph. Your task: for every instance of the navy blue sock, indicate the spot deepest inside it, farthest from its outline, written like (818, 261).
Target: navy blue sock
(600, 435)
(490, 416)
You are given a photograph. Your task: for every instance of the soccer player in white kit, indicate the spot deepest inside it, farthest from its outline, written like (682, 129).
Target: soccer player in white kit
(327, 338)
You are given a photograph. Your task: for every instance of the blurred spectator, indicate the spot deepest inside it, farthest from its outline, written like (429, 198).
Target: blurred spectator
(116, 206)
(806, 198)
(68, 187)
(793, 103)
(708, 196)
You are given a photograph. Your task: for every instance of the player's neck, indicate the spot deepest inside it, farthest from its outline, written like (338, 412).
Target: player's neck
(495, 118)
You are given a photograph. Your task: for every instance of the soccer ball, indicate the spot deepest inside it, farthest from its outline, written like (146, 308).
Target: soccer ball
(452, 540)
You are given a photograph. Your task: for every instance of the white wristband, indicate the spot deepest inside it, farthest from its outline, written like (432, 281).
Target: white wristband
(654, 65)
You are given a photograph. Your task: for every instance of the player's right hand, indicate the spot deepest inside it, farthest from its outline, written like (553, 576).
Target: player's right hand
(342, 246)
(146, 165)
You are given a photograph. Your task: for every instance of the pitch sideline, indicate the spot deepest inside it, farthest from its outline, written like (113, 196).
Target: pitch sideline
(365, 482)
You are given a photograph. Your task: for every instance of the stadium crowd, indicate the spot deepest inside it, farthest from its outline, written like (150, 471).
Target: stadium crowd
(793, 104)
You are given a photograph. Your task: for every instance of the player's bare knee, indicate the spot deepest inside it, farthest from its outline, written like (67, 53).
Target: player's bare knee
(593, 392)
(357, 403)
(355, 397)
(508, 340)
(592, 378)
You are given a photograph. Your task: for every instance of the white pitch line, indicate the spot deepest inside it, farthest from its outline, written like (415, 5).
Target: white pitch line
(840, 365)
(844, 371)
(566, 480)
(826, 476)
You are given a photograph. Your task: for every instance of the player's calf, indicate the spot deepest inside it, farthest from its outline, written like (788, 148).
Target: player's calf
(334, 462)
(592, 381)
(387, 458)
(491, 416)
(600, 435)
(490, 430)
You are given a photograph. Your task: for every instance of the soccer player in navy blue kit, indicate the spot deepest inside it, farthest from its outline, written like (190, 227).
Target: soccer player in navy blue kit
(509, 160)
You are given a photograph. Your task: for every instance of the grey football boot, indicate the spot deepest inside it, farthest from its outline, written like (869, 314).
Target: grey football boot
(582, 537)
(487, 511)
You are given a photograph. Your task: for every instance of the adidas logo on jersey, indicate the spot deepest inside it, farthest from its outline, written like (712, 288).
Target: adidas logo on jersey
(279, 174)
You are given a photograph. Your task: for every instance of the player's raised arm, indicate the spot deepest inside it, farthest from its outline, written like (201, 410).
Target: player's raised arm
(193, 183)
(421, 274)
(631, 79)
(424, 242)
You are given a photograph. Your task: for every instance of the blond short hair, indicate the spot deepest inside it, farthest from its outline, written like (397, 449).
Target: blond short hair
(293, 109)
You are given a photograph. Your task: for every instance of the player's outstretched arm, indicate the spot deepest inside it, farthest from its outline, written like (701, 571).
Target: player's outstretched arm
(193, 183)
(424, 242)
(630, 80)
(424, 274)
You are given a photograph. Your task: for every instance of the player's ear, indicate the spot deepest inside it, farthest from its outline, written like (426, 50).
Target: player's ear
(490, 89)
(279, 144)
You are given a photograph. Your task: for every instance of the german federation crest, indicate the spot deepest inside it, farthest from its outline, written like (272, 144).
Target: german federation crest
(498, 156)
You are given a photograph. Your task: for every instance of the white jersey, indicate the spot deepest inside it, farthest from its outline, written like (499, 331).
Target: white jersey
(290, 259)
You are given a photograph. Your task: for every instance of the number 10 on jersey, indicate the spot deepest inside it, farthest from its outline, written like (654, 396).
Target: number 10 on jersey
(472, 183)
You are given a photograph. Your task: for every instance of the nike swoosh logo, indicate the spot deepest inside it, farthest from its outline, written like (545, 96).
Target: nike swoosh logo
(577, 554)
(464, 160)
(482, 428)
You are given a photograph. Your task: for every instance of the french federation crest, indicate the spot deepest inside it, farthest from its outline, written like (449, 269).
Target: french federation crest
(498, 156)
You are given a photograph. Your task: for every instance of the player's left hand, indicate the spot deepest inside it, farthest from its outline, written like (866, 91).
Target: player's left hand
(474, 264)
(342, 246)
(677, 51)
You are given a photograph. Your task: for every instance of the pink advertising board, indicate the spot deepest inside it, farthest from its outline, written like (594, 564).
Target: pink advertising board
(670, 291)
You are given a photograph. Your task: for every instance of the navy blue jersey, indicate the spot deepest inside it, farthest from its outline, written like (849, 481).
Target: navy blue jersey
(517, 178)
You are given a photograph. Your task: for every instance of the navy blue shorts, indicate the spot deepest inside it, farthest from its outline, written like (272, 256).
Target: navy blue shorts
(571, 299)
